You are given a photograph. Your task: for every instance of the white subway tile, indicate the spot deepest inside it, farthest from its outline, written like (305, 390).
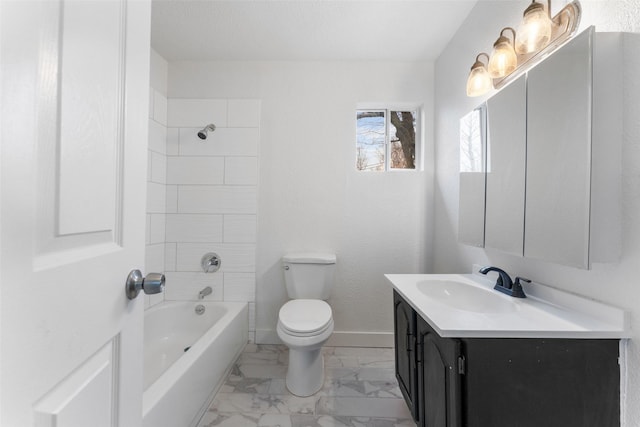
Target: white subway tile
(157, 228)
(222, 142)
(241, 170)
(151, 92)
(236, 258)
(149, 166)
(197, 112)
(156, 198)
(171, 205)
(158, 168)
(170, 250)
(173, 141)
(147, 233)
(181, 286)
(160, 108)
(243, 113)
(154, 259)
(212, 199)
(240, 228)
(157, 137)
(195, 170)
(252, 319)
(240, 287)
(194, 228)
(155, 299)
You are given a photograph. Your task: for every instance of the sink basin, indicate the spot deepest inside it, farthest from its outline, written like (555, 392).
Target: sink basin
(464, 296)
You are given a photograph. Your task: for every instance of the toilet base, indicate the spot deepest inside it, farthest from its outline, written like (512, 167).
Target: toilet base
(305, 374)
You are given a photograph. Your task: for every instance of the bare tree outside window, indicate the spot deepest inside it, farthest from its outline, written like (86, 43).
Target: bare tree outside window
(471, 143)
(403, 146)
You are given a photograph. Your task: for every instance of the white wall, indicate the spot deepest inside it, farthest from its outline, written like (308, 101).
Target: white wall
(615, 283)
(310, 196)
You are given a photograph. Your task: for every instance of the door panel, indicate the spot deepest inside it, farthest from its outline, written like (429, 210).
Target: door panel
(72, 173)
(84, 395)
(90, 114)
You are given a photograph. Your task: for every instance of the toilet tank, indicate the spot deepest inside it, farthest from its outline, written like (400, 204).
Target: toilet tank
(309, 275)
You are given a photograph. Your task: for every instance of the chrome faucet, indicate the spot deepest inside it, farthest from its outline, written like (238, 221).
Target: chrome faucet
(504, 283)
(206, 291)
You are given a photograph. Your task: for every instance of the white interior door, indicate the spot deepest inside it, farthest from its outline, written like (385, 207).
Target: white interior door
(72, 175)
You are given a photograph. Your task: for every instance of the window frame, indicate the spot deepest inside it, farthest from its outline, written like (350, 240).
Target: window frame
(387, 109)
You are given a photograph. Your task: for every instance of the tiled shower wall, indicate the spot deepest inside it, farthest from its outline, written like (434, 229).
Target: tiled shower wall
(156, 189)
(210, 199)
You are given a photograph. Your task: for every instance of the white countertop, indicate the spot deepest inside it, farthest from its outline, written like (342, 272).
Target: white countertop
(545, 313)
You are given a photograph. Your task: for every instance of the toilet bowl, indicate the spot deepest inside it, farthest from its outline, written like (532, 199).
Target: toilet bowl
(305, 323)
(304, 326)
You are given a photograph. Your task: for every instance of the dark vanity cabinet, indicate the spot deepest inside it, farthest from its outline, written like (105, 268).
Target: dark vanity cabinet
(504, 382)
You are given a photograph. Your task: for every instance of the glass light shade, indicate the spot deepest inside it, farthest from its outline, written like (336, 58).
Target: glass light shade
(534, 32)
(479, 81)
(503, 59)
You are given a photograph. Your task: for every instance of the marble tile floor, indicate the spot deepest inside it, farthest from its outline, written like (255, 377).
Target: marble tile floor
(360, 390)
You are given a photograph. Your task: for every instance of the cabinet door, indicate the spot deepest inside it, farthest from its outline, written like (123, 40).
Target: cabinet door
(405, 340)
(439, 381)
(506, 166)
(559, 114)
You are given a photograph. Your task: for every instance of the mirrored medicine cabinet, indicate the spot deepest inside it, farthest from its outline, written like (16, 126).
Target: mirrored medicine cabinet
(549, 185)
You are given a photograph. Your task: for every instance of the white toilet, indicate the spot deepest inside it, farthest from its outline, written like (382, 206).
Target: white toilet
(305, 322)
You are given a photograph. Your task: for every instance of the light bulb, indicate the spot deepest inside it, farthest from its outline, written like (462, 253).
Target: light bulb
(479, 81)
(534, 32)
(503, 58)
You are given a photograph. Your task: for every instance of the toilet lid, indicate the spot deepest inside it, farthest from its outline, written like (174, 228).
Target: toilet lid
(305, 315)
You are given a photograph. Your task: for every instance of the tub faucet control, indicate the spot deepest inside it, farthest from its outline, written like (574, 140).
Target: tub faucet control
(206, 291)
(210, 262)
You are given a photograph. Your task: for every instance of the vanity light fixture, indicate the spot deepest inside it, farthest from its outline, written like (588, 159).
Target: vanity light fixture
(538, 35)
(479, 81)
(503, 58)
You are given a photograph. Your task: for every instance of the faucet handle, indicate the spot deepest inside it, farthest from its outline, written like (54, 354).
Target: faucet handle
(517, 291)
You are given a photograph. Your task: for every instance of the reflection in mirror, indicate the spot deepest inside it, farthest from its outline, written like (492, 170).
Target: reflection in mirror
(471, 142)
(472, 177)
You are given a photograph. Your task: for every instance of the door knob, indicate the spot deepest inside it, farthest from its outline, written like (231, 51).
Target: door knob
(152, 284)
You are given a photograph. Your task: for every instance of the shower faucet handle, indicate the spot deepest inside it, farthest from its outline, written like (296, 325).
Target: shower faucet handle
(210, 262)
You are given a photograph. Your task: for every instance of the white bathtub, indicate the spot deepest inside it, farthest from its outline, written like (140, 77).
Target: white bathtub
(179, 384)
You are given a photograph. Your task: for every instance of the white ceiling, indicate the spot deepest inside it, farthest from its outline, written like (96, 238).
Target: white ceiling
(390, 30)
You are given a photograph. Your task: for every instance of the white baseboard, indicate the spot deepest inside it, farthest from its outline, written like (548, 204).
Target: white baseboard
(360, 339)
(338, 338)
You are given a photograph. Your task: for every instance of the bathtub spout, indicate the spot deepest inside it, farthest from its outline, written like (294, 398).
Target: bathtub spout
(203, 293)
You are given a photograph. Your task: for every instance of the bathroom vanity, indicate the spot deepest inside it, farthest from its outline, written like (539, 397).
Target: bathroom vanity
(469, 356)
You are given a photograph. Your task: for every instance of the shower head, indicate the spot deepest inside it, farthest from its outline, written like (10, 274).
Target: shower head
(202, 134)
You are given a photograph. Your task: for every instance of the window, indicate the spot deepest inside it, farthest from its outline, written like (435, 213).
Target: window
(386, 139)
